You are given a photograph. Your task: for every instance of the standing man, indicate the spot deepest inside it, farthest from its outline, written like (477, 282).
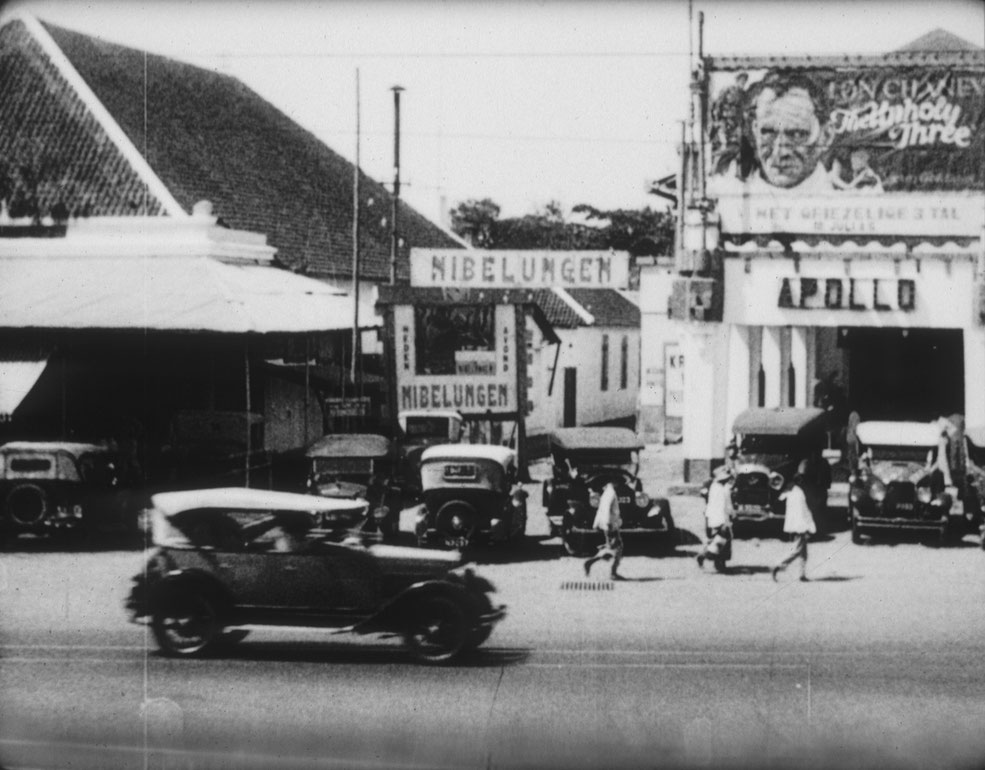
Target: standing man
(609, 521)
(718, 516)
(799, 522)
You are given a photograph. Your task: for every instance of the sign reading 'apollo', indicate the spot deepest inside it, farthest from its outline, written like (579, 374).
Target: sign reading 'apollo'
(848, 294)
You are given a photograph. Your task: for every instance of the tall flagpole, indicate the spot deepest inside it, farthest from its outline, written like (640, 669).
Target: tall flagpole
(356, 352)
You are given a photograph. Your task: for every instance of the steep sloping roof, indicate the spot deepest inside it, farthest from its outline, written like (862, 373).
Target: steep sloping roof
(939, 40)
(50, 138)
(205, 136)
(607, 306)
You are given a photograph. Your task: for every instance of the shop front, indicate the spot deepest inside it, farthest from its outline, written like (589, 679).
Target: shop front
(832, 248)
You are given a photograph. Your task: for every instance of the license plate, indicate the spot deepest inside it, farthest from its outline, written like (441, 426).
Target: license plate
(624, 500)
(904, 506)
(749, 509)
(461, 472)
(456, 542)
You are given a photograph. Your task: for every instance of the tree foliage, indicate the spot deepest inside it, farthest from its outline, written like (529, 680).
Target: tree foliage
(642, 232)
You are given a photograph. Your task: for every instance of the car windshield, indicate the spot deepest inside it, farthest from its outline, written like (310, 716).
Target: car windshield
(427, 427)
(350, 468)
(590, 463)
(769, 444)
(902, 454)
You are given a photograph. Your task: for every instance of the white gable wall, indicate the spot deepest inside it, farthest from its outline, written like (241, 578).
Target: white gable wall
(581, 349)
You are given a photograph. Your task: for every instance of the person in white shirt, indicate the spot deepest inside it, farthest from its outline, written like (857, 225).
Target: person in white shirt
(799, 522)
(718, 514)
(608, 520)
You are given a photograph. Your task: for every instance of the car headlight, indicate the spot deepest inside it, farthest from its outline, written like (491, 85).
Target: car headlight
(642, 500)
(776, 481)
(924, 495)
(877, 490)
(593, 499)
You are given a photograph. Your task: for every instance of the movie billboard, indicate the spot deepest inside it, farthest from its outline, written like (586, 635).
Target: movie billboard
(852, 136)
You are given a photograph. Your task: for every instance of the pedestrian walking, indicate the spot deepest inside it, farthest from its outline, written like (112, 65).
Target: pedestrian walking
(799, 522)
(718, 518)
(609, 521)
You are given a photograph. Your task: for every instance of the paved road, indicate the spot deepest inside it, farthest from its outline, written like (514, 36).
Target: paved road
(875, 662)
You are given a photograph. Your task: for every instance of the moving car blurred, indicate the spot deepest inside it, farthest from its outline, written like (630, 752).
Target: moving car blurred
(346, 466)
(898, 484)
(471, 494)
(584, 460)
(227, 558)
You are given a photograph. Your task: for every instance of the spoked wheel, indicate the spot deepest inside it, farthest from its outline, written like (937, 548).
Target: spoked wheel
(479, 634)
(187, 625)
(437, 631)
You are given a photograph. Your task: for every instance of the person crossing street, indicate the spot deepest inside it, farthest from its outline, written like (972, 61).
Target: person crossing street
(609, 521)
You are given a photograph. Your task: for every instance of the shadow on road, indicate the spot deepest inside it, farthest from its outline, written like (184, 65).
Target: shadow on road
(333, 652)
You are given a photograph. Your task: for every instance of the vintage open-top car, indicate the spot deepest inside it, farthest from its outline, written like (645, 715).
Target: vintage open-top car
(768, 447)
(584, 460)
(49, 487)
(898, 484)
(471, 494)
(347, 466)
(229, 558)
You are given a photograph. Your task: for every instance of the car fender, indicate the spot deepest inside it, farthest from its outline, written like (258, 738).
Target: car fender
(179, 581)
(392, 616)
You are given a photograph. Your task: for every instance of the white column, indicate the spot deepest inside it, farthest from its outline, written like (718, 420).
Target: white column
(974, 375)
(772, 359)
(798, 360)
(739, 377)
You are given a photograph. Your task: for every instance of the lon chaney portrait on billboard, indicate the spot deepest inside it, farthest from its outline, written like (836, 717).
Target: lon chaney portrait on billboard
(856, 131)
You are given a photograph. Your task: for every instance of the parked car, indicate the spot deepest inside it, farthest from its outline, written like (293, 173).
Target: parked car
(471, 494)
(897, 484)
(59, 487)
(347, 466)
(974, 502)
(584, 460)
(768, 447)
(418, 430)
(228, 558)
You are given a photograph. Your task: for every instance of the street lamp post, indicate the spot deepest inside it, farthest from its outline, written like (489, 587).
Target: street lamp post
(394, 214)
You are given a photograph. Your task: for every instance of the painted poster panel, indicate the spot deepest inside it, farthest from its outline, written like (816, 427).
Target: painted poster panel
(870, 133)
(456, 357)
(492, 269)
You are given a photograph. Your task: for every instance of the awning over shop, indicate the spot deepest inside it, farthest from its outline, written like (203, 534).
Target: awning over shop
(17, 377)
(168, 294)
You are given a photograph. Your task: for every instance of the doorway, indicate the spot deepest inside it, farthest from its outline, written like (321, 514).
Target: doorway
(569, 418)
(904, 374)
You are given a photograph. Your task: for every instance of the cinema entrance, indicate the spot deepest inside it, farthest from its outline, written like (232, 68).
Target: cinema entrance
(903, 374)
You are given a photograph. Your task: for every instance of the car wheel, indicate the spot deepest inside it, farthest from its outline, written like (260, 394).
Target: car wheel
(480, 634)
(720, 565)
(575, 543)
(437, 630)
(668, 540)
(856, 529)
(26, 505)
(187, 624)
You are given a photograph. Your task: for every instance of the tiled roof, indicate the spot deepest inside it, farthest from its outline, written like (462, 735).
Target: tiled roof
(607, 306)
(939, 40)
(207, 136)
(558, 312)
(49, 137)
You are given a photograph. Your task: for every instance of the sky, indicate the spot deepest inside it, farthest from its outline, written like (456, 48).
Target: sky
(525, 103)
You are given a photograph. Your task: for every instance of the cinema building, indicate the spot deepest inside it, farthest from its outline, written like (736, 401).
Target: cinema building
(831, 237)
